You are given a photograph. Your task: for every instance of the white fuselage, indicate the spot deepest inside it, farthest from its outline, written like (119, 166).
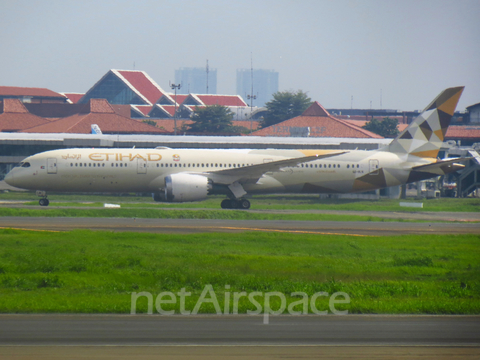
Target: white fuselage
(144, 170)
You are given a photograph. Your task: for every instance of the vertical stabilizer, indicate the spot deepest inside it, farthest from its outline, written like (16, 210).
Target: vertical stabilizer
(425, 135)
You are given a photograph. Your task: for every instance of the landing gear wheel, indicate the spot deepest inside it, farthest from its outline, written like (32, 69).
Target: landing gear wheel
(244, 204)
(43, 202)
(226, 204)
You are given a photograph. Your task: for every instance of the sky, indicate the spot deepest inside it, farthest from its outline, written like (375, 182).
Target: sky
(382, 53)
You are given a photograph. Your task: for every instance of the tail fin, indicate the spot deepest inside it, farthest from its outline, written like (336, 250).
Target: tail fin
(425, 135)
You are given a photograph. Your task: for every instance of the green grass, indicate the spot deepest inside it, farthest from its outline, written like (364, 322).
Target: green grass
(270, 202)
(187, 214)
(96, 272)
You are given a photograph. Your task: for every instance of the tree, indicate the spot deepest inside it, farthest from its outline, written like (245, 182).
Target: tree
(386, 128)
(285, 105)
(150, 122)
(212, 119)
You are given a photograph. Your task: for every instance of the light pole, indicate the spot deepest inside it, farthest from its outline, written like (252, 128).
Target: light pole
(251, 98)
(175, 87)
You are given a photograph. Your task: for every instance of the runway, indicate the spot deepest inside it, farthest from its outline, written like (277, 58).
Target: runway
(185, 226)
(182, 337)
(333, 330)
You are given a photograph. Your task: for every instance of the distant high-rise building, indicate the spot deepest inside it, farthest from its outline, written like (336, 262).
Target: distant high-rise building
(194, 80)
(265, 84)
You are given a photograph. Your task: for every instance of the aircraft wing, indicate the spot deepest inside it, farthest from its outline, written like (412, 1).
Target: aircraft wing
(441, 167)
(254, 172)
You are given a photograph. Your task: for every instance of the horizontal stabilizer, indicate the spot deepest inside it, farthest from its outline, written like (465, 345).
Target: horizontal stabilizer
(442, 167)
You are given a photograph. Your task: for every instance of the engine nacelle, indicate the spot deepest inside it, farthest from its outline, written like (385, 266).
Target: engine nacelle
(186, 187)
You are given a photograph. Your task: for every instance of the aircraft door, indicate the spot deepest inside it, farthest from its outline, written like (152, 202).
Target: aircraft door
(51, 166)
(374, 167)
(141, 166)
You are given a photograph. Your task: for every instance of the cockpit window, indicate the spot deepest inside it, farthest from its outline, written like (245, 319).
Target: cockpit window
(23, 164)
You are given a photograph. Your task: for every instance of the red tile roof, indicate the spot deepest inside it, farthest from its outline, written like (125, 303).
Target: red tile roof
(316, 109)
(170, 109)
(224, 100)
(25, 91)
(463, 132)
(102, 114)
(73, 97)
(361, 123)
(141, 82)
(321, 124)
(144, 109)
(180, 98)
(168, 124)
(14, 116)
(101, 106)
(108, 123)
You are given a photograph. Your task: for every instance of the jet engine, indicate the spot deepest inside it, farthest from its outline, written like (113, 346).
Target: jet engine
(184, 187)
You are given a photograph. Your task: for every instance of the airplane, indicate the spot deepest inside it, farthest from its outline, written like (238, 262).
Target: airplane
(181, 175)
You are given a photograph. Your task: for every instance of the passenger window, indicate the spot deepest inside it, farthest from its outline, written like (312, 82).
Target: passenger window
(121, 164)
(71, 164)
(329, 165)
(80, 164)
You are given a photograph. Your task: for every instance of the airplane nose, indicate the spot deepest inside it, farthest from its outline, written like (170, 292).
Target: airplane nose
(9, 179)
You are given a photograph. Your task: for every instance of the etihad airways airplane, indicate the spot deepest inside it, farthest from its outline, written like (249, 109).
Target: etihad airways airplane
(179, 175)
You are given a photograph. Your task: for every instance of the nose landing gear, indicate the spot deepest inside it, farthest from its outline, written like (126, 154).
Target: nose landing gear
(44, 201)
(243, 204)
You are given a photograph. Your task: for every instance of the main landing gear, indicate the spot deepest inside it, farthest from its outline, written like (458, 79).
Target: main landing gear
(243, 204)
